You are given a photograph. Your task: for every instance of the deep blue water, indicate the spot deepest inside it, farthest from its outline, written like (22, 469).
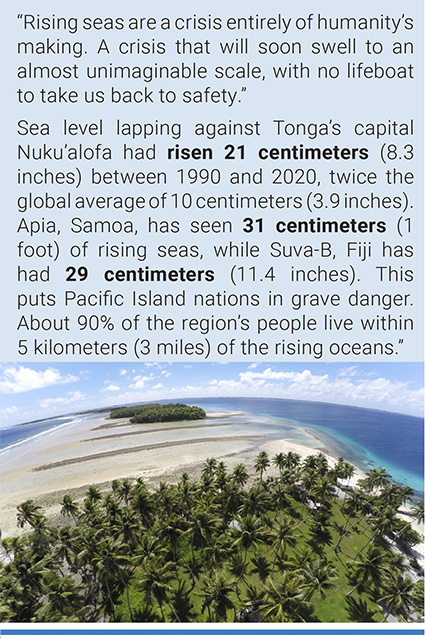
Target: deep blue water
(21, 432)
(366, 438)
(13, 435)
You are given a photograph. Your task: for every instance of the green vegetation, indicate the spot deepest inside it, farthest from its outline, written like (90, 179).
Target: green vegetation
(224, 547)
(152, 413)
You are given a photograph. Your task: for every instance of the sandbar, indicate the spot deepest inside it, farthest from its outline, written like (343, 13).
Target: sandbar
(97, 450)
(82, 452)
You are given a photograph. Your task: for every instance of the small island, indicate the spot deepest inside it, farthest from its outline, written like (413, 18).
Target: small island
(153, 413)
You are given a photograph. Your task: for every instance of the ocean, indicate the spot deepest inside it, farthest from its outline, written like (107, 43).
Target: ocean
(12, 436)
(366, 438)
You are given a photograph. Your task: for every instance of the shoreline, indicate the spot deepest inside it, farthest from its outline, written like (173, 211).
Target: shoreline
(77, 454)
(70, 457)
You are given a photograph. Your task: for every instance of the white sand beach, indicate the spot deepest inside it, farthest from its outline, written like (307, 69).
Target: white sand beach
(284, 446)
(99, 450)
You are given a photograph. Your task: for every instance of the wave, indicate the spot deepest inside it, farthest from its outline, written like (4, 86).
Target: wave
(38, 435)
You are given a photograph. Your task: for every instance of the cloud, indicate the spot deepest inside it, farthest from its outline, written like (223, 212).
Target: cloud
(23, 379)
(348, 371)
(373, 392)
(111, 387)
(298, 378)
(123, 371)
(159, 366)
(139, 381)
(10, 410)
(71, 398)
(370, 391)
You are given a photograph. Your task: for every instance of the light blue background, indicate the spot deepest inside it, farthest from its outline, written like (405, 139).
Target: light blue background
(344, 101)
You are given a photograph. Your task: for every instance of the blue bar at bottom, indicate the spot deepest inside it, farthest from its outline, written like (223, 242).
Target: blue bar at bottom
(187, 631)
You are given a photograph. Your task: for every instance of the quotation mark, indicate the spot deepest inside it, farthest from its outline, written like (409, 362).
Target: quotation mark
(20, 16)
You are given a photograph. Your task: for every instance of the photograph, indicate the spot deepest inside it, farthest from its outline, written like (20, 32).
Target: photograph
(207, 492)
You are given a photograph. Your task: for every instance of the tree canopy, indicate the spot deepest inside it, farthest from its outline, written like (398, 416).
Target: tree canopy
(152, 413)
(223, 546)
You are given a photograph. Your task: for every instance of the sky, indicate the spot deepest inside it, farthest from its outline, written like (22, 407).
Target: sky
(36, 391)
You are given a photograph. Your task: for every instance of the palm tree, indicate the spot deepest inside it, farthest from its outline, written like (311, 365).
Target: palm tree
(124, 490)
(262, 462)
(279, 461)
(218, 551)
(308, 479)
(217, 591)
(309, 462)
(185, 491)
(65, 597)
(240, 475)
(69, 507)
(68, 546)
(155, 583)
(221, 467)
(359, 502)
(249, 534)
(181, 602)
(149, 547)
(262, 567)
(368, 570)
(418, 598)
(207, 485)
(172, 530)
(416, 515)
(93, 494)
(320, 576)
(283, 535)
(280, 497)
(375, 479)
(128, 527)
(231, 500)
(112, 509)
(285, 600)
(300, 560)
(31, 514)
(29, 583)
(344, 471)
(143, 504)
(109, 562)
(210, 466)
(322, 489)
(256, 501)
(292, 460)
(92, 516)
(88, 540)
(398, 596)
(381, 522)
(322, 463)
(6, 612)
(201, 530)
(358, 610)
(417, 512)
(394, 495)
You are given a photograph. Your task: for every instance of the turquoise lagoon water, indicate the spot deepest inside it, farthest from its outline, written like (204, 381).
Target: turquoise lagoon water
(366, 438)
